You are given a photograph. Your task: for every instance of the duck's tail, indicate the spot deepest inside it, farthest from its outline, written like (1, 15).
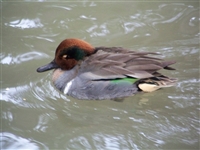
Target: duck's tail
(155, 83)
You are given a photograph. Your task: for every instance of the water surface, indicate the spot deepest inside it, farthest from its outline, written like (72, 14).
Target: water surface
(34, 115)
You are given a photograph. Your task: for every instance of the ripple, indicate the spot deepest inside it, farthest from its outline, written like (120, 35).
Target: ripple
(11, 141)
(43, 38)
(186, 42)
(10, 94)
(43, 122)
(136, 120)
(25, 95)
(116, 118)
(189, 85)
(25, 23)
(96, 30)
(7, 115)
(9, 59)
(154, 139)
(58, 6)
(131, 26)
(44, 88)
(79, 143)
(88, 17)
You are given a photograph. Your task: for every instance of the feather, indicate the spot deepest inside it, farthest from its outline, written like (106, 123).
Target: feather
(117, 62)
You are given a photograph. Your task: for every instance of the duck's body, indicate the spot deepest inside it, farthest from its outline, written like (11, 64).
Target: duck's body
(87, 72)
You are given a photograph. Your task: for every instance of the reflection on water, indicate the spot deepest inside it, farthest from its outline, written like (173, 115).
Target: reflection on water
(21, 58)
(11, 141)
(25, 23)
(34, 115)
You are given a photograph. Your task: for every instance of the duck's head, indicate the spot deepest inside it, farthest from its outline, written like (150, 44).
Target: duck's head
(68, 53)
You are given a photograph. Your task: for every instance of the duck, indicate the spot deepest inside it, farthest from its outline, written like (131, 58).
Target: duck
(85, 72)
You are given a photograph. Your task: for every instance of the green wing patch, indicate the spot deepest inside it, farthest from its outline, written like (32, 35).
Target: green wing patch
(125, 80)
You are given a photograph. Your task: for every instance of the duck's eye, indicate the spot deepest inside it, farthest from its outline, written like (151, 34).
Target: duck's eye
(65, 56)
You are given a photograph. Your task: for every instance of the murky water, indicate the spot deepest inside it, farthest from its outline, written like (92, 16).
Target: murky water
(34, 115)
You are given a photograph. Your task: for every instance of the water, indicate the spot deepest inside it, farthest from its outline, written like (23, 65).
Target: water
(34, 115)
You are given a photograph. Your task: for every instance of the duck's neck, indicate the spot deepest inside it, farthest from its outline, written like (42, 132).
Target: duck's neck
(62, 77)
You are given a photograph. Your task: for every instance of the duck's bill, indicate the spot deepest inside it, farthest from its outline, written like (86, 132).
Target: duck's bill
(51, 65)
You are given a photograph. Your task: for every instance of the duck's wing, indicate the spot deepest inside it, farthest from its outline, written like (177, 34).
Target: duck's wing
(116, 62)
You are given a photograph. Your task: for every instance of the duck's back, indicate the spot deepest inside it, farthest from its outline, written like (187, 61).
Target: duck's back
(114, 73)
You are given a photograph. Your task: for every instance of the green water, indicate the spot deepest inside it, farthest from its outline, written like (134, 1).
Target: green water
(34, 115)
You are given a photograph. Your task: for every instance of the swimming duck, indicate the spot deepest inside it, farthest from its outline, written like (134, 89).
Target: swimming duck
(86, 72)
